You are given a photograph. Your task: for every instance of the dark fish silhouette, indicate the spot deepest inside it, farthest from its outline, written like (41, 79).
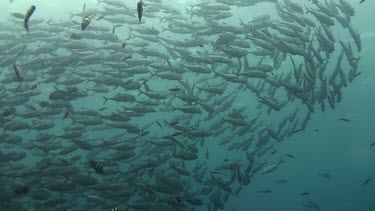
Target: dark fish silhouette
(28, 15)
(15, 68)
(140, 10)
(366, 181)
(97, 166)
(264, 191)
(86, 22)
(21, 189)
(362, 1)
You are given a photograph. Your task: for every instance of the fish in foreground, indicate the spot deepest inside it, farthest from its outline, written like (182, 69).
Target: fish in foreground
(21, 189)
(362, 1)
(140, 10)
(28, 15)
(97, 166)
(372, 144)
(86, 22)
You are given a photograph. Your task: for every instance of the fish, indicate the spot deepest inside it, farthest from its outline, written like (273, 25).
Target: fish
(15, 68)
(28, 15)
(86, 22)
(310, 204)
(366, 181)
(344, 119)
(75, 36)
(325, 175)
(96, 166)
(66, 114)
(8, 112)
(176, 91)
(21, 189)
(140, 10)
(264, 191)
(362, 1)
(372, 144)
(116, 209)
(289, 155)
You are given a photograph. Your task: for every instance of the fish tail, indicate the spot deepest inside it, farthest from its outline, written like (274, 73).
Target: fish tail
(105, 99)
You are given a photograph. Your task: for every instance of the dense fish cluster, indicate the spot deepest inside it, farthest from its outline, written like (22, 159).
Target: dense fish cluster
(146, 107)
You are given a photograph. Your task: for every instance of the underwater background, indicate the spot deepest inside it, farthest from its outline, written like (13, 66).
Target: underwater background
(326, 166)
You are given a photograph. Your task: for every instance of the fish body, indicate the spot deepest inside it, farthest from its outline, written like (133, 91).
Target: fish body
(86, 22)
(367, 181)
(21, 189)
(28, 15)
(97, 166)
(140, 10)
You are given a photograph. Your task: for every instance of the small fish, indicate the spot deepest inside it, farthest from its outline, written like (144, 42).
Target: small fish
(264, 191)
(140, 10)
(21, 189)
(75, 36)
(296, 131)
(226, 159)
(174, 89)
(66, 114)
(102, 109)
(305, 193)
(274, 151)
(28, 15)
(289, 155)
(97, 166)
(325, 175)
(34, 86)
(362, 1)
(366, 181)
(159, 124)
(372, 144)
(311, 204)
(114, 28)
(123, 45)
(281, 181)
(344, 119)
(71, 88)
(177, 199)
(8, 112)
(18, 15)
(84, 7)
(116, 209)
(17, 72)
(85, 22)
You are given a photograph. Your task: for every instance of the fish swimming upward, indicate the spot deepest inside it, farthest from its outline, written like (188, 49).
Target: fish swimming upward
(28, 15)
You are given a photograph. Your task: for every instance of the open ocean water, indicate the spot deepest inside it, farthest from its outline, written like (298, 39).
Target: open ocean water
(232, 105)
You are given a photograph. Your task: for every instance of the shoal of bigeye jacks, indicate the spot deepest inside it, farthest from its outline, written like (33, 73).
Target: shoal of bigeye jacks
(181, 114)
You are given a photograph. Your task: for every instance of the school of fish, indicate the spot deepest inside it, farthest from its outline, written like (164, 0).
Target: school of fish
(180, 113)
